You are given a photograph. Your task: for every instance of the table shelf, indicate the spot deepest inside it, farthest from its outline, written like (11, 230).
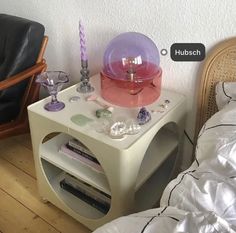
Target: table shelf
(50, 152)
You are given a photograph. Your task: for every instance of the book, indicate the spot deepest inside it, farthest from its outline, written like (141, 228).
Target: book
(73, 155)
(88, 189)
(92, 158)
(104, 208)
(80, 146)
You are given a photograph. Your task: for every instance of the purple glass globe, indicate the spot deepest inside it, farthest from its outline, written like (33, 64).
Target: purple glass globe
(130, 54)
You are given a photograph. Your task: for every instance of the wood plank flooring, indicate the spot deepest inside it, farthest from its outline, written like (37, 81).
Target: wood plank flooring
(21, 209)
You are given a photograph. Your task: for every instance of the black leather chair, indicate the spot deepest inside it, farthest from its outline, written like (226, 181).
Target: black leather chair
(22, 45)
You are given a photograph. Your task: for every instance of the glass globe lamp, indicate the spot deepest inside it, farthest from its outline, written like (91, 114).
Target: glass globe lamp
(131, 74)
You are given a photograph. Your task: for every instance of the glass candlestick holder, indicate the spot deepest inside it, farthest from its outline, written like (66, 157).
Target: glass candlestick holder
(85, 86)
(53, 81)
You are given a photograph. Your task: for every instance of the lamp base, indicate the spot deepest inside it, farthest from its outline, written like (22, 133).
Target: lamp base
(126, 93)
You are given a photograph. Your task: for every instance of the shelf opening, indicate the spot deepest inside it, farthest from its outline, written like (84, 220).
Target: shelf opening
(157, 167)
(149, 194)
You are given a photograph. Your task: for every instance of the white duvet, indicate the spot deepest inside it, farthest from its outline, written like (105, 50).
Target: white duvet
(202, 198)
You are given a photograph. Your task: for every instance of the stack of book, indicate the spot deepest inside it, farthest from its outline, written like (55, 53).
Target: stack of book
(91, 195)
(76, 150)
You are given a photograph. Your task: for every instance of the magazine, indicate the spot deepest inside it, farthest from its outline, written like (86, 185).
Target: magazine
(104, 208)
(88, 189)
(85, 161)
(79, 146)
(82, 153)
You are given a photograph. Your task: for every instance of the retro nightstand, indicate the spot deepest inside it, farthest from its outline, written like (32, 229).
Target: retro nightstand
(136, 168)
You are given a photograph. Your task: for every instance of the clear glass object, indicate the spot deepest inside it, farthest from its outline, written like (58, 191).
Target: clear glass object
(131, 74)
(116, 128)
(53, 81)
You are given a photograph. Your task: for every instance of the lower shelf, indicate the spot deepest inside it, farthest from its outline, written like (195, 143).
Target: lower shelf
(55, 175)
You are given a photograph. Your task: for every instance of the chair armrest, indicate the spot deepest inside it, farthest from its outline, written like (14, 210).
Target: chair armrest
(28, 73)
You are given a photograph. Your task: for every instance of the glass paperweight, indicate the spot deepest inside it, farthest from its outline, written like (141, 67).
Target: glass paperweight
(132, 127)
(131, 74)
(53, 81)
(116, 128)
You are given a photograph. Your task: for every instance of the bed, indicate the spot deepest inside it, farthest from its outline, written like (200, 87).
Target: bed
(203, 197)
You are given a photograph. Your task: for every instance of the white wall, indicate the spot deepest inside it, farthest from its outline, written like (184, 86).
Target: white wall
(164, 21)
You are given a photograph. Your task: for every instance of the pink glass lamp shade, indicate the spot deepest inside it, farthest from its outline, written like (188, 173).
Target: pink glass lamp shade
(53, 81)
(131, 75)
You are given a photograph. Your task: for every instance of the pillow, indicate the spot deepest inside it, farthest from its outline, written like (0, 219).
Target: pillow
(225, 92)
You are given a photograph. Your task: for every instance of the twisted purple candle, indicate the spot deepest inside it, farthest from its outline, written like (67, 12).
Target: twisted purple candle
(83, 54)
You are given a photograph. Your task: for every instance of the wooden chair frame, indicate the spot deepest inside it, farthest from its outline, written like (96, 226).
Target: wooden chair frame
(20, 125)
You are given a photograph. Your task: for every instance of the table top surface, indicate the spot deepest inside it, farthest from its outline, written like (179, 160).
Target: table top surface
(88, 109)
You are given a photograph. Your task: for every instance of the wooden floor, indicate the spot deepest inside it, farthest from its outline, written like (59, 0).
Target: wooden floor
(21, 209)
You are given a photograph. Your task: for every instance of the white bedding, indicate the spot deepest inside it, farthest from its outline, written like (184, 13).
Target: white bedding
(202, 198)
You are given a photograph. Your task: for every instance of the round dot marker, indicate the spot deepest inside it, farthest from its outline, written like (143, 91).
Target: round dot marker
(164, 52)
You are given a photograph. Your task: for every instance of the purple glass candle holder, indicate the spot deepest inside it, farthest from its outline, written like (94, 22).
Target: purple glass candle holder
(53, 81)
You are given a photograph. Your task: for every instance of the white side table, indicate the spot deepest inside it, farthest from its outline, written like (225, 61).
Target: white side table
(137, 168)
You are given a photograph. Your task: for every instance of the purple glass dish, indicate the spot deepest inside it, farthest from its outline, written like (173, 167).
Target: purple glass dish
(53, 81)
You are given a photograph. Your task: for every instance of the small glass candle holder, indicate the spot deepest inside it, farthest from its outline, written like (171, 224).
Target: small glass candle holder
(85, 86)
